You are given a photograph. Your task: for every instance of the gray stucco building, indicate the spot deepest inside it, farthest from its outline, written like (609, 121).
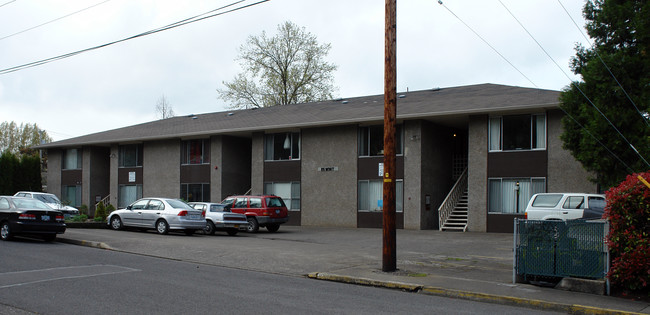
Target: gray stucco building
(499, 143)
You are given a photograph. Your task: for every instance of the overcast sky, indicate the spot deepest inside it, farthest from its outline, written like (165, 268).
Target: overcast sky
(119, 85)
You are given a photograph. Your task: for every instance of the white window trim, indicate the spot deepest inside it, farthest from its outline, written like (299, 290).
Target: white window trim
(500, 149)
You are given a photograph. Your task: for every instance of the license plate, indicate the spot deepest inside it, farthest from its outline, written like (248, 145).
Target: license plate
(45, 218)
(236, 226)
(195, 216)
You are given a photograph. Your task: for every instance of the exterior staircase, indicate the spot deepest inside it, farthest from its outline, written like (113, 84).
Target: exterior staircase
(457, 220)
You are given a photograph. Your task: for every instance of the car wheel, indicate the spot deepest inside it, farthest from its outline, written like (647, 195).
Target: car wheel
(232, 232)
(189, 232)
(116, 223)
(162, 227)
(253, 226)
(273, 227)
(49, 237)
(209, 228)
(5, 232)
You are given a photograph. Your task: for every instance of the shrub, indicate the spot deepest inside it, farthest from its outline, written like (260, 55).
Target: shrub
(100, 212)
(83, 209)
(628, 212)
(109, 209)
(80, 218)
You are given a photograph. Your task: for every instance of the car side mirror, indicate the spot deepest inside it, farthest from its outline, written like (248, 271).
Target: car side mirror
(227, 208)
(129, 207)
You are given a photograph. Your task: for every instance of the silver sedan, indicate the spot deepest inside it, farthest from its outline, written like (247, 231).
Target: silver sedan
(162, 214)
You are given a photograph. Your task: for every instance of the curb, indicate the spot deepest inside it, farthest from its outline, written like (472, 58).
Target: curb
(99, 245)
(468, 295)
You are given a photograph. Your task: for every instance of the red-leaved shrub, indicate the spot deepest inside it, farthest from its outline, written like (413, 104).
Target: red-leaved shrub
(628, 212)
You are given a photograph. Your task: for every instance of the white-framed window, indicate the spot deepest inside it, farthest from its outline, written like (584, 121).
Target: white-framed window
(195, 152)
(71, 195)
(197, 192)
(511, 195)
(371, 140)
(128, 194)
(371, 195)
(517, 132)
(282, 146)
(288, 191)
(130, 155)
(72, 159)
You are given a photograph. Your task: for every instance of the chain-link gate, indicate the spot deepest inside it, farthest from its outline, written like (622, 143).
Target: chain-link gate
(574, 248)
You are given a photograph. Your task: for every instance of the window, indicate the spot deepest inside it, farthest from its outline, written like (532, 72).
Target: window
(127, 194)
(574, 202)
(195, 192)
(505, 196)
(288, 191)
(517, 132)
(371, 195)
(241, 203)
(72, 159)
(371, 140)
(4, 204)
(255, 203)
(195, 152)
(130, 155)
(71, 195)
(282, 146)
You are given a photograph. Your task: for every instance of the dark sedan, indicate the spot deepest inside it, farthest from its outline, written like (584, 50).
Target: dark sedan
(27, 216)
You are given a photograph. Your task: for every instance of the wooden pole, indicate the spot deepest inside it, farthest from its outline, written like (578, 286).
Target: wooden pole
(389, 259)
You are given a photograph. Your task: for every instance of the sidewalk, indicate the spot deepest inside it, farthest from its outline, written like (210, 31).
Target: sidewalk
(475, 266)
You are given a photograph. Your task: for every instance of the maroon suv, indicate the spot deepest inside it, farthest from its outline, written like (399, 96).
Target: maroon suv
(261, 211)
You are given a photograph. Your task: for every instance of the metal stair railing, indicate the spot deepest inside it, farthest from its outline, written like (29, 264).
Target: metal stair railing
(451, 200)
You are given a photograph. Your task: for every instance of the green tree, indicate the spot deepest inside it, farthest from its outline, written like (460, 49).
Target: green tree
(9, 166)
(285, 69)
(19, 138)
(620, 53)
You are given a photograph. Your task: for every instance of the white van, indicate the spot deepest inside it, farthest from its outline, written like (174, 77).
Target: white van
(565, 206)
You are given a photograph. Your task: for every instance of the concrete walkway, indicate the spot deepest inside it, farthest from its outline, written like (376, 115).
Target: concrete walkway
(476, 266)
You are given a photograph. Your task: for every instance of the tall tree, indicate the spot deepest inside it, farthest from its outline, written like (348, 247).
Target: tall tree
(164, 108)
(16, 138)
(287, 68)
(615, 74)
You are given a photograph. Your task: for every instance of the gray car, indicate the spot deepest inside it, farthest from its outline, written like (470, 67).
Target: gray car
(162, 214)
(219, 218)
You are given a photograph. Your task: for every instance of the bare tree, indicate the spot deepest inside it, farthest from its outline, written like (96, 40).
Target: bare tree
(285, 69)
(163, 108)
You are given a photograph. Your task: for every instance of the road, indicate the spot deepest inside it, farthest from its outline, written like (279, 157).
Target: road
(57, 278)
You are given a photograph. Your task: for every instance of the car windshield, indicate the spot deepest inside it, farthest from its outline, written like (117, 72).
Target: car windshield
(274, 202)
(177, 204)
(47, 198)
(29, 203)
(547, 200)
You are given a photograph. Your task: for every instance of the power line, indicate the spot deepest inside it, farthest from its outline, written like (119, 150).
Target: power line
(4, 4)
(196, 18)
(486, 42)
(645, 119)
(576, 86)
(48, 22)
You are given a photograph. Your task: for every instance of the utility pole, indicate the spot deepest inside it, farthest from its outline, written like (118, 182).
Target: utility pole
(389, 258)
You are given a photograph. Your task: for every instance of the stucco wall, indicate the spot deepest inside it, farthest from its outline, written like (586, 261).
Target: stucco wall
(54, 157)
(161, 169)
(114, 162)
(413, 189)
(477, 173)
(328, 198)
(257, 164)
(565, 174)
(216, 175)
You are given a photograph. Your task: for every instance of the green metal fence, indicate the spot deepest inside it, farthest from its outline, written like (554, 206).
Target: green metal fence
(574, 248)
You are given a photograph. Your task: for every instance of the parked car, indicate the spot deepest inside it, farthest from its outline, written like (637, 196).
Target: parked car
(565, 206)
(51, 200)
(261, 211)
(218, 217)
(28, 216)
(162, 214)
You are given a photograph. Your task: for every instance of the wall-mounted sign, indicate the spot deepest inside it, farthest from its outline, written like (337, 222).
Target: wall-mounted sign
(328, 169)
(131, 177)
(381, 169)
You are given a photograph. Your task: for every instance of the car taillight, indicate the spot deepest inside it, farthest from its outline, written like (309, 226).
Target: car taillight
(60, 218)
(203, 213)
(265, 213)
(26, 216)
(525, 215)
(182, 213)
